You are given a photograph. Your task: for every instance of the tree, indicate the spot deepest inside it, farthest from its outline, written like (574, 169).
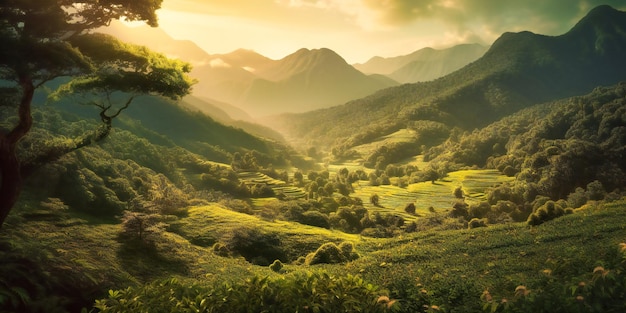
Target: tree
(375, 200)
(49, 39)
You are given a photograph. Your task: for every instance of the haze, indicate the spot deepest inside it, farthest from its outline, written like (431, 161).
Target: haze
(360, 29)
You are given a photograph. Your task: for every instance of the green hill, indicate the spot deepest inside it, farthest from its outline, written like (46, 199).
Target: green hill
(519, 70)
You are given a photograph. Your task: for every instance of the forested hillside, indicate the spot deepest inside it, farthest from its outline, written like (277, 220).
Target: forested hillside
(497, 188)
(519, 70)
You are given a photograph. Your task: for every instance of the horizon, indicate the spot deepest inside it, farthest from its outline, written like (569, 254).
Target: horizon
(359, 29)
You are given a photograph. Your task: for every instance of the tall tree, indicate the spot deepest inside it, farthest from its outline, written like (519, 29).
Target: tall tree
(43, 40)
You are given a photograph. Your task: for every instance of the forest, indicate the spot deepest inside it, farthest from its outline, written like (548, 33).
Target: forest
(499, 187)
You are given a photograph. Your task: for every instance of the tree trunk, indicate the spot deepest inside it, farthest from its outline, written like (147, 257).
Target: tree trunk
(10, 174)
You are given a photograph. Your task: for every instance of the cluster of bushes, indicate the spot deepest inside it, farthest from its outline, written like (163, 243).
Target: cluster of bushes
(513, 202)
(256, 246)
(603, 290)
(308, 292)
(330, 253)
(569, 150)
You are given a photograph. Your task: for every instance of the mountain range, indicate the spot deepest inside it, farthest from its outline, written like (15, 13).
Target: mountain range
(424, 64)
(519, 70)
(305, 80)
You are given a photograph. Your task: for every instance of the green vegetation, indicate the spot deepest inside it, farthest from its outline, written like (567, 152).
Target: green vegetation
(411, 213)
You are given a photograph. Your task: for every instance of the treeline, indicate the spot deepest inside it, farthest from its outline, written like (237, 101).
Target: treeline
(560, 153)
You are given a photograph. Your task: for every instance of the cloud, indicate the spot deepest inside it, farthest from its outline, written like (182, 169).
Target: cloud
(542, 16)
(219, 63)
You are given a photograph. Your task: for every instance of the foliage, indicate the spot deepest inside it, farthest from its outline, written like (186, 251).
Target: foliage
(256, 246)
(548, 211)
(330, 253)
(602, 291)
(145, 228)
(309, 292)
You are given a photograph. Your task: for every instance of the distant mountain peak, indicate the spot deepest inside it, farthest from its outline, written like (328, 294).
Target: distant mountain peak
(602, 10)
(602, 16)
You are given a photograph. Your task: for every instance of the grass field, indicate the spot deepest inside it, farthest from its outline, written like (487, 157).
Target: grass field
(402, 135)
(439, 195)
(279, 186)
(452, 267)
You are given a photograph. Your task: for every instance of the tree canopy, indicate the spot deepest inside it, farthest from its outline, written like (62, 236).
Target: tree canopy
(44, 40)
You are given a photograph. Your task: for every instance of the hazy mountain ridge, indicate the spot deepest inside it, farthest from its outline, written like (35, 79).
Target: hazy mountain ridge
(424, 64)
(308, 80)
(302, 81)
(520, 69)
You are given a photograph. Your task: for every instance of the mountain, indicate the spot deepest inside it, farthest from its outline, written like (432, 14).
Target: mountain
(308, 80)
(303, 81)
(519, 70)
(230, 115)
(424, 64)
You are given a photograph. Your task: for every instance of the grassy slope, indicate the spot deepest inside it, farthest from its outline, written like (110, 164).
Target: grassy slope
(499, 258)
(450, 264)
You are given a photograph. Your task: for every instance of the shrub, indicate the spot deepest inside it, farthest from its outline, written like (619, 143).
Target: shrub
(276, 266)
(327, 253)
(144, 227)
(220, 249)
(375, 200)
(509, 171)
(255, 246)
(330, 253)
(410, 208)
(480, 210)
(315, 218)
(595, 190)
(477, 222)
(548, 211)
(458, 192)
(347, 248)
(459, 209)
(308, 292)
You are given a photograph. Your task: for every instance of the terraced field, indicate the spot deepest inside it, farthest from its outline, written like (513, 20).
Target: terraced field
(439, 195)
(402, 135)
(279, 186)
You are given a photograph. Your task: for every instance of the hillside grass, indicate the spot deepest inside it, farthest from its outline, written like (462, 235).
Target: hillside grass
(452, 268)
(207, 225)
(424, 195)
(455, 267)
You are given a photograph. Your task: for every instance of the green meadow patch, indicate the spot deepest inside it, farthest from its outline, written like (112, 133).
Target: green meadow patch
(278, 186)
(400, 136)
(424, 195)
(207, 225)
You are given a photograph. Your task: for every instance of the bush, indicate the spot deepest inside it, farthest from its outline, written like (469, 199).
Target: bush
(459, 209)
(276, 266)
(330, 253)
(315, 218)
(458, 192)
(220, 249)
(347, 248)
(327, 253)
(548, 211)
(603, 291)
(410, 208)
(480, 210)
(255, 246)
(293, 293)
(477, 222)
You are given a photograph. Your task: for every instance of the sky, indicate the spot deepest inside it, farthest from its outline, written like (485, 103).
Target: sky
(361, 29)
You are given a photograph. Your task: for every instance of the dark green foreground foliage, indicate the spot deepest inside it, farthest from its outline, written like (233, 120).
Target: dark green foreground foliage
(603, 291)
(311, 292)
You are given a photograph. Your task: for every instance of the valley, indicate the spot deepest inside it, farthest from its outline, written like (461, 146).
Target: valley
(469, 179)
